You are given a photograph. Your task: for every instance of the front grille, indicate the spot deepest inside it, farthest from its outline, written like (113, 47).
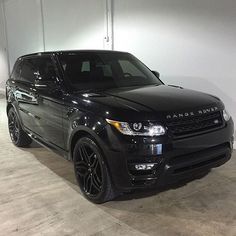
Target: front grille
(190, 125)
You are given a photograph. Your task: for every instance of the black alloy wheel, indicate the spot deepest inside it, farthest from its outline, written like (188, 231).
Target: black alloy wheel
(17, 134)
(13, 125)
(91, 171)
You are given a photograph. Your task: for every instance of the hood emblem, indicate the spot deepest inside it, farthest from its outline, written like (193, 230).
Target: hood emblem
(192, 113)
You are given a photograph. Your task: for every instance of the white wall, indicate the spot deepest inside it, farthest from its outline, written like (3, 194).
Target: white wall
(3, 52)
(62, 24)
(190, 42)
(74, 24)
(24, 27)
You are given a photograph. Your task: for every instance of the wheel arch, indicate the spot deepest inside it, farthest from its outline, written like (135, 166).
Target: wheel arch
(83, 132)
(76, 136)
(14, 106)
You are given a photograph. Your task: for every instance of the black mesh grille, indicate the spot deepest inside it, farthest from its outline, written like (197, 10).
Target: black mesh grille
(190, 125)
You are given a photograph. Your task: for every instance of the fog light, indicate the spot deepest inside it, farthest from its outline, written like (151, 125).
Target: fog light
(144, 166)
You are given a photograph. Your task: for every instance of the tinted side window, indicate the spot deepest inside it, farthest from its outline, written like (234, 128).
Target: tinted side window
(16, 71)
(28, 71)
(38, 68)
(45, 69)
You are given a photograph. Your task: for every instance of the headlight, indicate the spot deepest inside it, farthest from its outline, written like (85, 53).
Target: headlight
(226, 115)
(138, 128)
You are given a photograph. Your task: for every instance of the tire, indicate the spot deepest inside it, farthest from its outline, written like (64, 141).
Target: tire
(18, 136)
(91, 171)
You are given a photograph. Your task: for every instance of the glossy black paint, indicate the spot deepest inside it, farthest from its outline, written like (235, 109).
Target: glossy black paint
(56, 116)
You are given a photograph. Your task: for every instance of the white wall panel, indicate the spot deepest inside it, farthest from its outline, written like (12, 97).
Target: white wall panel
(74, 24)
(3, 53)
(24, 27)
(191, 43)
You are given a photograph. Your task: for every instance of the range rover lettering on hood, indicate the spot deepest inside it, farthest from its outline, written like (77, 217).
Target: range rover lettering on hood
(192, 113)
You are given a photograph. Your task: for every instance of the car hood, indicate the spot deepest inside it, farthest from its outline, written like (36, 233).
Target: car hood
(148, 103)
(165, 98)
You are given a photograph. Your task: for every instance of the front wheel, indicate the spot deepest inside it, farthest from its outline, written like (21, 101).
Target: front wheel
(91, 171)
(18, 136)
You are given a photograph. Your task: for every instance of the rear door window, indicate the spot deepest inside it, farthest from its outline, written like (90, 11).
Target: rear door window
(16, 70)
(37, 68)
(28, 71)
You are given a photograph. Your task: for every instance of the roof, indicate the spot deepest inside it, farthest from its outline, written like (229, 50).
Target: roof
(70, 51)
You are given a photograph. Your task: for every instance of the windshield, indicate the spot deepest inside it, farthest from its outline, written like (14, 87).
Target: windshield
(104, 70)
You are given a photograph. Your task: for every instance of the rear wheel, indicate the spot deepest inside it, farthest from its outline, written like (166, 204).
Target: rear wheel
(91, 171)
(18, 136)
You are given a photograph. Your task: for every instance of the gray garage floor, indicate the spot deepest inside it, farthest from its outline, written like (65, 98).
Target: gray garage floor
(38, 196)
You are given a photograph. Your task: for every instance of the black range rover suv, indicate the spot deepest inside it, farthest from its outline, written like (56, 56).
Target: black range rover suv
(116, 120)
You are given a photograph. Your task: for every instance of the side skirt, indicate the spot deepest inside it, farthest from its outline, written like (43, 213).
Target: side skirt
(61, 152)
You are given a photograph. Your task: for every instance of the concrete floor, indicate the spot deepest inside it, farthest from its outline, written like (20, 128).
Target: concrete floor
(39, 196)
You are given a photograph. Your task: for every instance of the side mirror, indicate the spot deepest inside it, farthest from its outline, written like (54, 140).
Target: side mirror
(156, 73)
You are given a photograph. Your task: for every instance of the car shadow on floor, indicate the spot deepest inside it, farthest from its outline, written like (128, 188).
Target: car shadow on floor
(65, 170)
(148, 192)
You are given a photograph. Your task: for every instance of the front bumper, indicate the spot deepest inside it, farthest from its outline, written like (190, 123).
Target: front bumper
(174, 158)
